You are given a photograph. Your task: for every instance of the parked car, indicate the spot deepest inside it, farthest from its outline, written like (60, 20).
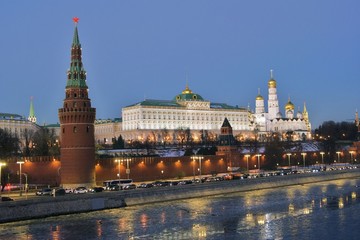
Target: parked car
(44, 192)
(145, 185)
(130, 186)
(80, 190)
(96, 189)
(69, 190)
(58, 192)
(6, 199)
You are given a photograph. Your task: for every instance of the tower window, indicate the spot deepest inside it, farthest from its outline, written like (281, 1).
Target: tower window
(75, 95)
(63, 130)
(87, 128)
(74, 130)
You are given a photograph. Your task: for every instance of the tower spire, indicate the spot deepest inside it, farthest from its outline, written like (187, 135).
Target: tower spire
(32, 117)
(76, 75)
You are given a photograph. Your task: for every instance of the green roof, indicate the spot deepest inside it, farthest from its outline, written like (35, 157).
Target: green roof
(11, 116)
(160, 103)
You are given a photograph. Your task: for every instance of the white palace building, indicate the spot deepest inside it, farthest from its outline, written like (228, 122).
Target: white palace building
(163, 120)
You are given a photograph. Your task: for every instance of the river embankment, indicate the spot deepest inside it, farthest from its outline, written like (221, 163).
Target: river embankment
(76, 203)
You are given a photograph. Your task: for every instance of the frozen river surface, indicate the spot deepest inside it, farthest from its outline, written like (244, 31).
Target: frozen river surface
(327, 210)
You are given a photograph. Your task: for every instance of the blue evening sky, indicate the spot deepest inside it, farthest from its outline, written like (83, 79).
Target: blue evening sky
(145, 49)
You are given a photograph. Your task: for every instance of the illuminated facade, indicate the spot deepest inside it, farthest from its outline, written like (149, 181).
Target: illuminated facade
(294, 126)
(187, 110)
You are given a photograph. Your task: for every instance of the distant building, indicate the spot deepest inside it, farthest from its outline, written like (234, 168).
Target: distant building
(17, 125)
(149, 119)
(292, 126)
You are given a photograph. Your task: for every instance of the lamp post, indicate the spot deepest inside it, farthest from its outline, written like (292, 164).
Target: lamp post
(289, 155)
(338, 154)
(20, 163)
(193, 169)
(119, 162)
(194, 158)
(1, 164)
(127, 167)
(26, 184)
(247, 161)
(351, 158)
(322, 157)
(258, 156)
(303, 154)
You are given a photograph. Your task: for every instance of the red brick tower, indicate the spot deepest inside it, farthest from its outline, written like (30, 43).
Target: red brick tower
(77, 117)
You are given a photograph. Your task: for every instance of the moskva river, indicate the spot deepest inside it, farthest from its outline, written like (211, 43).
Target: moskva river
(327, 210)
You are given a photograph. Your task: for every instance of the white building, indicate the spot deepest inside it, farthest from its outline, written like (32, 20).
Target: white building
(295, 126)
(187, 110)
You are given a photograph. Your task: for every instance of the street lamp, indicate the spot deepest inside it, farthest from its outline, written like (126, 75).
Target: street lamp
(247, 161)
(322, 157)
(289, 155)
(20, 163)
(258, 156)
(338, 153)
(197, 158)
(26, 184)
(1, 164)
(303, 154)
(351, 157)
(127, 167)
(119, 162)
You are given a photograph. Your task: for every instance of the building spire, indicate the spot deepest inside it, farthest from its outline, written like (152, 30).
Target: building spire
(271, 74)
(32, 117)
(76, 75)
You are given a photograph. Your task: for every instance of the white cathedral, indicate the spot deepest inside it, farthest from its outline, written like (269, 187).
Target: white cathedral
(292, 126)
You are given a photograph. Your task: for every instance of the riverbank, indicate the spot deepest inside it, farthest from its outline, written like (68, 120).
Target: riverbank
(49, 206)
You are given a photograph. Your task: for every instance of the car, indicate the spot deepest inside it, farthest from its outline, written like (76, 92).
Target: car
(145, 185)
(6, 199)
(96, 189)
(58, 192)
(80, 190)
(44, 192)
(69, 190)
(130, 186)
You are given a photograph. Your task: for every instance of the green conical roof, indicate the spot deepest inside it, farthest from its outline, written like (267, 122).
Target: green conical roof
(76, 74)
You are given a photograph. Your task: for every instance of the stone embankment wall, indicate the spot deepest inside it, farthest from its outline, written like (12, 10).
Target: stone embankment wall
(50, 206)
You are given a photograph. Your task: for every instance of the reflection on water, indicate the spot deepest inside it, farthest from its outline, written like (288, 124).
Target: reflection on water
(322, 210)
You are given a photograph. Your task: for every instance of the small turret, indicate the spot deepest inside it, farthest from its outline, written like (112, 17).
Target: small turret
(32, 117)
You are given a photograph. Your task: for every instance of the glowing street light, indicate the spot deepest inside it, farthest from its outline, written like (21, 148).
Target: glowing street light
(303, 154)
(322, 157)
(198, 158)
(338, 154)
(119, 162)
(258, 156)
(1, 164)
(20, 163)
(127, 167)
(351, 157)
(247, 161)
(289, 155)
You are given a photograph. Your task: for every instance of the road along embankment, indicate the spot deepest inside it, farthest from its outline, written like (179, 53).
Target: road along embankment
(75, 203)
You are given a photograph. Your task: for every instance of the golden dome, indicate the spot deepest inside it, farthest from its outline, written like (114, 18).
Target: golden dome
(272, 83)
(259, 97)
(289, 106)
(187, 90)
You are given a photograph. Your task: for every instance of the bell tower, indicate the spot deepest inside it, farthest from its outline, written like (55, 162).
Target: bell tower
(77, 117)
